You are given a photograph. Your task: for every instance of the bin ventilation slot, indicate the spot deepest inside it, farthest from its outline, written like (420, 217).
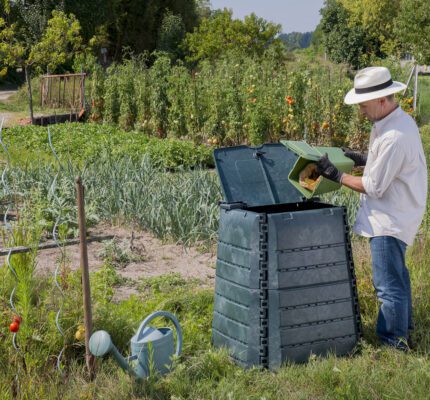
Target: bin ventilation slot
(318, 341)
(315, 323)
(315, 266)
(235, 302)
(231, 282)
(229, 337)
(231, 319)
(234, 246)
(320, 303)
(297, 249)
(229, 263)
(313, 285)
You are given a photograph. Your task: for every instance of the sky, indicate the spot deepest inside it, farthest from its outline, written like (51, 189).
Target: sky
(293, 15)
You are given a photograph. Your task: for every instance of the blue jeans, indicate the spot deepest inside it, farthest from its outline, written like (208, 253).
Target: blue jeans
(393, 288)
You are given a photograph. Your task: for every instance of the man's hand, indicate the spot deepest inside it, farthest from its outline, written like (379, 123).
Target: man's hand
(359, 159)
(328, 170)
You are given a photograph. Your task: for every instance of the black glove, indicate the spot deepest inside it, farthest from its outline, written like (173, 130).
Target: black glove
(359, 159)
(328, 170)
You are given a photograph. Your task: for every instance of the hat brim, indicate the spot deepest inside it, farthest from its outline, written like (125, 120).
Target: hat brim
(354, 98)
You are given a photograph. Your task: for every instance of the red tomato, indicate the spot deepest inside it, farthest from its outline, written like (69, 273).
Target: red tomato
(17, 319)
(14, 327)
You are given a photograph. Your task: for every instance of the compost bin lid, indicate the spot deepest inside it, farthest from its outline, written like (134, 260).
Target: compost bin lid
(256, 176)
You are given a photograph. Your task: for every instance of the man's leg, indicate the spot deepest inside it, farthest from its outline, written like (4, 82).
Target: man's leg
(392, 285)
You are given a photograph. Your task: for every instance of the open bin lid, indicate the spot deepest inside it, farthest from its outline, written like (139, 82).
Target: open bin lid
(257, 176)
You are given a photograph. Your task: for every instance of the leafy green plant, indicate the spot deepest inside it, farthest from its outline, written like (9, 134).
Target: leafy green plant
(85, 143)
(119, 253)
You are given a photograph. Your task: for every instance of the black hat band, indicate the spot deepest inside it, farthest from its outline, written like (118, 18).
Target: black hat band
(374, 88)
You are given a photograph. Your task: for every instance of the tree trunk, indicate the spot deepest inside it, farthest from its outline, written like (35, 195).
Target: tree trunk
(30, 95)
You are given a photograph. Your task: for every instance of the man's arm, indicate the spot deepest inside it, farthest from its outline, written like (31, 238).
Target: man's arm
(326, 168)
(353, 182)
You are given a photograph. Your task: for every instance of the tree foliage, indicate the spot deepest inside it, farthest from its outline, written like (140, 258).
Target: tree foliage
(134, 24)
(343, 43)
(376, 18)
(171, 34)
(59, 40)
(114, 24)
(296, 40)
(221, 33)
(356, 31)
(28, 43)
(413, 28)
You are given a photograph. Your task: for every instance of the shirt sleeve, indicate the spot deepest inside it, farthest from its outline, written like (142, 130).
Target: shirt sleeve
(385, 168)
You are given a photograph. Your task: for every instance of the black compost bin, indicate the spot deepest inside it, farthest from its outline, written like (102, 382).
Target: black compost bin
(285, 284)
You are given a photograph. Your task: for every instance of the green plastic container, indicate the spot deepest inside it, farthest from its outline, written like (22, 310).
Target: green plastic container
(308, 154)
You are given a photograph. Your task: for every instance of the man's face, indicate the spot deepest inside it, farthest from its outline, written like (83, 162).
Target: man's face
(372, 109)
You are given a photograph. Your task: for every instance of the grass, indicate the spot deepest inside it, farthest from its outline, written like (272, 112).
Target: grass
(424, 101)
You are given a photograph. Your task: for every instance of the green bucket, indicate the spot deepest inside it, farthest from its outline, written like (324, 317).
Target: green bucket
(308, 154)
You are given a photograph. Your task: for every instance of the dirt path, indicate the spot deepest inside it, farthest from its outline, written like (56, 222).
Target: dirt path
(10, 117)
(148, 257)
(6, 94)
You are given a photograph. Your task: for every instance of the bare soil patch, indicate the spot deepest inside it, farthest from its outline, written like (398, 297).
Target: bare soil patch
(150, 257)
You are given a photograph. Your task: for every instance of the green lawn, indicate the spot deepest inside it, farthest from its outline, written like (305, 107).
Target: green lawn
(424, 98)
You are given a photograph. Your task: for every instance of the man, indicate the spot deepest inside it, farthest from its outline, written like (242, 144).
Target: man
(393, 196)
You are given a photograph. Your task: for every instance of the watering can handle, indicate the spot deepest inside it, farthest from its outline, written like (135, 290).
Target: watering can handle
(175, 321)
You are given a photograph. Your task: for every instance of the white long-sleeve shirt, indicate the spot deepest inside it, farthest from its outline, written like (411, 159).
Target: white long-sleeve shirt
(395, 180)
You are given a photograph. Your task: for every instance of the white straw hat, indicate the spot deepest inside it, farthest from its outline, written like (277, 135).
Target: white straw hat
(372, 83)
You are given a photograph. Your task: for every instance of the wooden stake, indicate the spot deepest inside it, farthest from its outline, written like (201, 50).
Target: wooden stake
(88, 322)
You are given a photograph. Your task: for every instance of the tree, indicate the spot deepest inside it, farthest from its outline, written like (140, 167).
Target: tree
(413, 28)
(376, 18)
(135, 24)
(220, 33)
(317, 39)
(30, 45)
(171, 34)
(203, 8)
(342, 42)
(296, 40)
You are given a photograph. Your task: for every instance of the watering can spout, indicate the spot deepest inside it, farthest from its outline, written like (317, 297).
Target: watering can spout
(101, 344)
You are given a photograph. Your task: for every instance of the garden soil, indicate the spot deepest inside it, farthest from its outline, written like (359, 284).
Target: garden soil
(151, 257)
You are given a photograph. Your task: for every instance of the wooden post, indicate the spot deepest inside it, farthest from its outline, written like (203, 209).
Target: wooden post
(83, 89)
(27, 72)
(73, 100)
(85, 276)
(63, 105)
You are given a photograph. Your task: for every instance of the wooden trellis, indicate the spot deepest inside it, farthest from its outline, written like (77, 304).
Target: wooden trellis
(63, 91)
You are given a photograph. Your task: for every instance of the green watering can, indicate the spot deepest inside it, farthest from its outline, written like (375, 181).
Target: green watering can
(309, 154)
(152, 350)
